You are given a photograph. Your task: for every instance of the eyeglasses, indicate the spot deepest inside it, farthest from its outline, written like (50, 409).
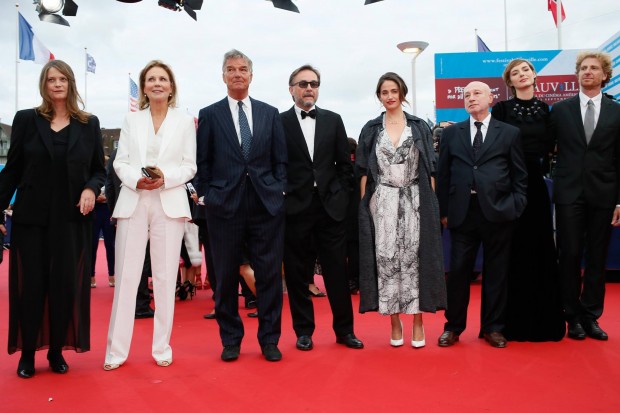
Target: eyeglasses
(303, 84)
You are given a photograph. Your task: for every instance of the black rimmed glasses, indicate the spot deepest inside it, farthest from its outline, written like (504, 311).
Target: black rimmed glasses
(304, 84)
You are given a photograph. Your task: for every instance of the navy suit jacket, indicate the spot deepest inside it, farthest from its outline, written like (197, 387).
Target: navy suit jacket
(499, 173)
(331, 168)
(590, 169)
(222, 169)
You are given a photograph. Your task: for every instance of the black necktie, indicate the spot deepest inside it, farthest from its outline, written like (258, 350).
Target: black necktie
(312, 114)
(477, 138)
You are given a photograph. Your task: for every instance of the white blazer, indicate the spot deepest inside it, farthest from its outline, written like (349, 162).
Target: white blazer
(177, 160)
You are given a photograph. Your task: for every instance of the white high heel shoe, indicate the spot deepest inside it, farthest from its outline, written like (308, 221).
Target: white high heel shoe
(399, 342)
(420, 343)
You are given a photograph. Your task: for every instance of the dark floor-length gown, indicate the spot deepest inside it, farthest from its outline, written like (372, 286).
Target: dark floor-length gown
(49, 271)
(534, 311)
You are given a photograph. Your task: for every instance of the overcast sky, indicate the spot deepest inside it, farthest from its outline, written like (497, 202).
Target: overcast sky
(350, 43)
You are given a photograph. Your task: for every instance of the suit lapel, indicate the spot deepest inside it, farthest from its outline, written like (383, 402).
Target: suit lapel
(465, 138)
(170, 125)
(45, 133)
(490, 138)
(575, 112)
(75, 128)
(297, 135)
(228, 124)
(145, 124)
(602, 117)
(320, 129)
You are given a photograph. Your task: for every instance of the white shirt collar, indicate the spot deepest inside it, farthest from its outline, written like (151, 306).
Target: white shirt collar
(583, 99)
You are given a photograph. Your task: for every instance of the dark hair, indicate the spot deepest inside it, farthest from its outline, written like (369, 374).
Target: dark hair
(73, 102)
(511, 65)
(302, 68)
(402, 87)
(602, 57)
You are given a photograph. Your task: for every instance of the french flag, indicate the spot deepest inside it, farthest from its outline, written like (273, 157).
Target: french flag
(30, 48)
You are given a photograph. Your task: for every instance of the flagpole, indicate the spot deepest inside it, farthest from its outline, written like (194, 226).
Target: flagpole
(475, 40)
(85, 78)
(558, 13)
(17, 58)
(505, 27)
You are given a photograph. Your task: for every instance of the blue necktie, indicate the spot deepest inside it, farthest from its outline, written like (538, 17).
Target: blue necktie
(244, 131)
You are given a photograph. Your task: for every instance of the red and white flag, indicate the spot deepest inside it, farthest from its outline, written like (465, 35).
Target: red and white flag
(552, 6)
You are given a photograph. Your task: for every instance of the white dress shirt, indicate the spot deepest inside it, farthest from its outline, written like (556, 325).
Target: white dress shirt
(483, 128)
(583, 105)
(308, 127)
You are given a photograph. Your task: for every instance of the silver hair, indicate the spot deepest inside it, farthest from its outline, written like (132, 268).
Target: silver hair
(235, 54)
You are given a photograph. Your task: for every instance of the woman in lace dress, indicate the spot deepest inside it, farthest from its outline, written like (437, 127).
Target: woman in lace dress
(401, 263)
(534, 311)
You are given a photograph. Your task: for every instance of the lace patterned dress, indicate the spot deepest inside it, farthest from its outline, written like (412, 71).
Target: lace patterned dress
(395, 211)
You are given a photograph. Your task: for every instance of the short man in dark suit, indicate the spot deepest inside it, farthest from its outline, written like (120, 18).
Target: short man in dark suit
(586, 191)
(481, 189)
(241, 180)
(320, 180)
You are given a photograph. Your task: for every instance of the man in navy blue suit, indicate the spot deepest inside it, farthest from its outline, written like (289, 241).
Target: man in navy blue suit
(241, 180)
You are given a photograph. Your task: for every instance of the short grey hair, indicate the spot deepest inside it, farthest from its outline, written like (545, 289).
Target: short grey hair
(235, 54)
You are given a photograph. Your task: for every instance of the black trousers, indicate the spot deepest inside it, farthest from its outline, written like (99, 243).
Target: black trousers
(496, 239)
(583, 231)
(314, 227)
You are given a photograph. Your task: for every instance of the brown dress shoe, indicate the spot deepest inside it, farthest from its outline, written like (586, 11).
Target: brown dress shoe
(495, 339)
(448, 338)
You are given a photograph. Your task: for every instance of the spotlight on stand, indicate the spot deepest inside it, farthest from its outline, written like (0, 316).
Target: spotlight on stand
(188, 5)
(48, 8)
(284, 5)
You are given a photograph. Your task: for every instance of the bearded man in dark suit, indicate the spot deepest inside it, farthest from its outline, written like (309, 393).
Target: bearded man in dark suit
(586, 186)
(320, 180)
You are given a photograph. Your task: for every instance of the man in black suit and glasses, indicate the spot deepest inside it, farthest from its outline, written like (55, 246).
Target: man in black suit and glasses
(481, 190)
(241, 180)
(586, 191)
(320, 180)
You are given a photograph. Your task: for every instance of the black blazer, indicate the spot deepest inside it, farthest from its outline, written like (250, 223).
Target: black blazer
(30, 161)
(222, 169)
(499, 173)
(112, 182)
(592, 170)
(331, 168)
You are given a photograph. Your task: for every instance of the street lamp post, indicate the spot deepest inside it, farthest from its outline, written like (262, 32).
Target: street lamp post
(413, 48)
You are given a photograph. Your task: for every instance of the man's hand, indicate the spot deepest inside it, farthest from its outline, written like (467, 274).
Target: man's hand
(615, 221)
(444, 222)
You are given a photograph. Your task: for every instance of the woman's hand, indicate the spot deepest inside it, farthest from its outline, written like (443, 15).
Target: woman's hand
(149, 184)
(87, 201)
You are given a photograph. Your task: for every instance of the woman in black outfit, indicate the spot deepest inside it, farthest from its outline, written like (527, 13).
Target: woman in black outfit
(56, 165)
(534, 310)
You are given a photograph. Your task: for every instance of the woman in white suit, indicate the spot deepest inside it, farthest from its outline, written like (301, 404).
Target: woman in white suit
(163, 139)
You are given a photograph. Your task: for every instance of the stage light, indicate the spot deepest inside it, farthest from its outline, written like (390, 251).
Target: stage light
(48, 8)
(371, 1)
(284, 5)
(188, 5)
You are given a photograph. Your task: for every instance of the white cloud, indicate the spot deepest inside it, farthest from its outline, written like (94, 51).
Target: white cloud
(350, 43)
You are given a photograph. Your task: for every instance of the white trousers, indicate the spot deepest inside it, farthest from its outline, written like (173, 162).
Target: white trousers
(149, 222)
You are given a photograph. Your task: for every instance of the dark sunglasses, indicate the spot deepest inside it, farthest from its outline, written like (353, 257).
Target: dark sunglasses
(303, 84)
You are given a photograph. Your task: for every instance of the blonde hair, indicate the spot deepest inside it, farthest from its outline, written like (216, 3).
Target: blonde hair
(143, 101)
(603, 58)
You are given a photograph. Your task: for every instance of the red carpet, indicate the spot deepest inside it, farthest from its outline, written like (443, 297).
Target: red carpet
(568, 376)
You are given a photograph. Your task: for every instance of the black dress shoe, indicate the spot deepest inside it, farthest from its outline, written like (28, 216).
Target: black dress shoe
(447, 339)
(57, 362)
(253, 314)
(250, 303)
(576, 331)
(230, 353)
(304, 343)
(495, 339)
(210, 316)
(593, 330)
(350, 341)
(145, 314)
(271, 352)
(25, 369)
